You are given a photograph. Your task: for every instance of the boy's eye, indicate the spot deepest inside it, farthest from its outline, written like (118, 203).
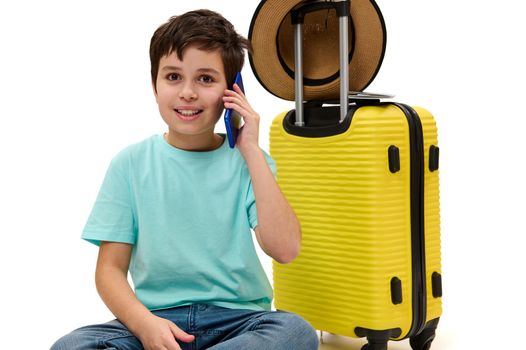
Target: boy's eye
(173, 76)
(206, 79)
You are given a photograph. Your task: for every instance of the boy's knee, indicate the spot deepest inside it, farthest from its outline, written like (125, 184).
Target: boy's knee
(76, 340)
(302, 335)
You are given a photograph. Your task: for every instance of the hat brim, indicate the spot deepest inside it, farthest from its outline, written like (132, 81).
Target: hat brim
(272, 59)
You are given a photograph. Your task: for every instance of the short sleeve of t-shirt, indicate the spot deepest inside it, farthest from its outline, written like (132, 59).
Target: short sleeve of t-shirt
(251, 200)
(112, 216)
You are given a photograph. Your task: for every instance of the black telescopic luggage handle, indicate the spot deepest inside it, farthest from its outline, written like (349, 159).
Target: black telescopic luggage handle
(342, 8)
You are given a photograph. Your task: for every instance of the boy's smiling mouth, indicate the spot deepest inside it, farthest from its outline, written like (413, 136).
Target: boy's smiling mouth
(188, 114)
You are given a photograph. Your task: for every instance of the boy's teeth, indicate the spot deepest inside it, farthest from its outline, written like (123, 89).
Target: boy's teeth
(188, 113)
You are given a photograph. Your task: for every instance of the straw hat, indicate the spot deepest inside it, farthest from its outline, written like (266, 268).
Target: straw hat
(272, 36)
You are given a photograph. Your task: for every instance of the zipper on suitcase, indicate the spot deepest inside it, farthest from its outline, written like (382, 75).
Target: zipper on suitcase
(417, 219)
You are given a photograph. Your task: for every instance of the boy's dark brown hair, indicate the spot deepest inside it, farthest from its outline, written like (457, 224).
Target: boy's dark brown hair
(209, 31)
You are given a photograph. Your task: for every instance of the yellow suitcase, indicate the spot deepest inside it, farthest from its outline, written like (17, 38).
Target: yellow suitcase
(363, 180)
(366, 193)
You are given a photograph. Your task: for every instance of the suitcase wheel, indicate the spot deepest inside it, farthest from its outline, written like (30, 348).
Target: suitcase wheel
(375, 346)
(423, 340)
(415, 345)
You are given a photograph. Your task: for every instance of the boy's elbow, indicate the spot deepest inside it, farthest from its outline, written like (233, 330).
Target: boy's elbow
(288, 255)
(285, 259)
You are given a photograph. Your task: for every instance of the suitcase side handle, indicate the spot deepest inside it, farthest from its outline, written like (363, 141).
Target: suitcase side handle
(342, 8)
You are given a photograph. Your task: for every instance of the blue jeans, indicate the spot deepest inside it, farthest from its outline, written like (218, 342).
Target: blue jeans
(214, 328)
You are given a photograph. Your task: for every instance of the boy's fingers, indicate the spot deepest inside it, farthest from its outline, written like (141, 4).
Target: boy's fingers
(242, 112)
(238, 90)
(235, 100)
(232, 99)
(180, 334)
(229, 94)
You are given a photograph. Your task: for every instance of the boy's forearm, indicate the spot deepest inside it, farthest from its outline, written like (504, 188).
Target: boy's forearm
(115, 291)
(278, 227)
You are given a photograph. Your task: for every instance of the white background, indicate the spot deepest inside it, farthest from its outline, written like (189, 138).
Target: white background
(75, 89)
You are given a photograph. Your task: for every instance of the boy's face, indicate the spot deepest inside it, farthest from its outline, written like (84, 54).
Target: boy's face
(189, 92)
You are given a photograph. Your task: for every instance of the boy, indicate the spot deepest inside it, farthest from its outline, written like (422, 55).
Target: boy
(176, 210)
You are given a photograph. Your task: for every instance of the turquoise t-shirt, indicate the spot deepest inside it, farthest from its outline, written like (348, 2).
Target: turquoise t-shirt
(188, 216)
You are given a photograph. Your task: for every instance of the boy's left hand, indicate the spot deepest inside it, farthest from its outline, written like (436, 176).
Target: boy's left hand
(248, 138)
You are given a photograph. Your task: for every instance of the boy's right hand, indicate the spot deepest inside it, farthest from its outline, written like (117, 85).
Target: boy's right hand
(157, 333)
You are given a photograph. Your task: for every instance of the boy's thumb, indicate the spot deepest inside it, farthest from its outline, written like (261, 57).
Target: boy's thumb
(180, 334)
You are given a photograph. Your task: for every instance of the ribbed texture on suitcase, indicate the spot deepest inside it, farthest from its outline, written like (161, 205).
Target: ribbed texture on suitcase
(355, 217)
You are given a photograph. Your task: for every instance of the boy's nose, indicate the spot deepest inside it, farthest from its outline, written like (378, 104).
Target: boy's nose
(188, 92)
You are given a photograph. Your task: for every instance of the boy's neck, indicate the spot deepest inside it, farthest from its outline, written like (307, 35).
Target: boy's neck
(194, 143)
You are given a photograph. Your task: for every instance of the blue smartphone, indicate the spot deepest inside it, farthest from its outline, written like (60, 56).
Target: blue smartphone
(232, 118)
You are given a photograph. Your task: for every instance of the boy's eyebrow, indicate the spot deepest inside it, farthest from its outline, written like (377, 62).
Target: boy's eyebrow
(202, 70)
(208, 70)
